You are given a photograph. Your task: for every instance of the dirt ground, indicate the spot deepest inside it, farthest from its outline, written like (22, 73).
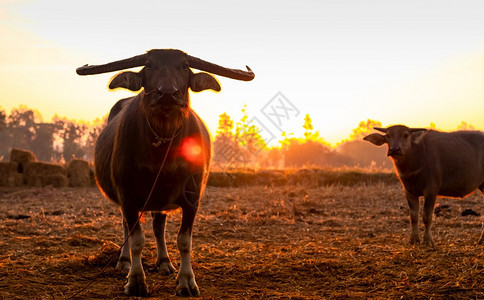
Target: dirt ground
(290, 242)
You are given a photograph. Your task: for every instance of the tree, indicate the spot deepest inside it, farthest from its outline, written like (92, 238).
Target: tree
(18, 129)
(92, 134)
(43, 142)
(3, 119)
(60, 139)
(237, 148)
(308, 126)
(70, 134)
(272, 158)
(464, 126)
(363, 154)
(226, 149)
(21, 127)
(299, 153)
(248, 135)
(225, 125)
(364, 128)
(309, 135)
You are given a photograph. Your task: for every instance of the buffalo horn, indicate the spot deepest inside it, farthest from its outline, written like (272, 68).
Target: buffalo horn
(384, 130)
(206, 66)
(135, 61)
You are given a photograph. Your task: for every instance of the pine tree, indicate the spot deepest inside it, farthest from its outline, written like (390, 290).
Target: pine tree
(308, 126)
(225, 125)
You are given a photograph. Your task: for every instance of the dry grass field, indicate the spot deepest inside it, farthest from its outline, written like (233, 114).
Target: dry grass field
(289, 241)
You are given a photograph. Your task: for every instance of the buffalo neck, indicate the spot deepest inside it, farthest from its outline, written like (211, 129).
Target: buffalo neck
(163, 123)
(159, 132)
(150, 152)
(411, 163)
(141, 138)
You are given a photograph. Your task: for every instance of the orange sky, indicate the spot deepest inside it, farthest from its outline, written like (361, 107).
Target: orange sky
(412, 62)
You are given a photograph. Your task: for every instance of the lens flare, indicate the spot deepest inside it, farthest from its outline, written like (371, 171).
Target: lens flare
(191, 150)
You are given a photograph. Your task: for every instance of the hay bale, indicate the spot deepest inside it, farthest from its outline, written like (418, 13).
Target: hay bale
(15, 180)
(6, 168)
(78, 172)
(22, 158)
(220, 179)
(56, 180)
(41, 174)
(9, 176)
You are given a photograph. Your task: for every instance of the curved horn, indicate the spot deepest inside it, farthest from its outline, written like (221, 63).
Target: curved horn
(384, 130)
(202, 65)
(135, 61)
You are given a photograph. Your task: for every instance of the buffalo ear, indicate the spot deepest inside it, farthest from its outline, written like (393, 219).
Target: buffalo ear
(376, 138)
(203, 81)
(128, 80)
(418, 134)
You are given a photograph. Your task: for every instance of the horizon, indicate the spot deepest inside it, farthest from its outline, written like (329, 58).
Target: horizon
(304, 134)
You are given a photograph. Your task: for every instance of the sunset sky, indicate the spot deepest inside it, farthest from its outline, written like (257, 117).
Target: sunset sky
(405, 62)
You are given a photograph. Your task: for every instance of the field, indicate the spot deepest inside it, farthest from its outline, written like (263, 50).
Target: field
(290, 241)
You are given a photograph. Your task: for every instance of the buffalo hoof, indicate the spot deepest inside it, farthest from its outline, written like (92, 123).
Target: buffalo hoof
(123, 265)
(187, 287)
(165, 267)
(414, 240)
(136, 286)
(428, 243)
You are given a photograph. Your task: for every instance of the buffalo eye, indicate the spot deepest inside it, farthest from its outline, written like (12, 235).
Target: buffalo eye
(148, 66)
(185, 67)
(405, 135)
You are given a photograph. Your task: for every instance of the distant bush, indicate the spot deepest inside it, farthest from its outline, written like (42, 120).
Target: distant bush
(305, 177)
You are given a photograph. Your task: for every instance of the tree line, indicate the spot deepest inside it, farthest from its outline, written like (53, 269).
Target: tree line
(240, 145)
(237, 144)
(59, 140)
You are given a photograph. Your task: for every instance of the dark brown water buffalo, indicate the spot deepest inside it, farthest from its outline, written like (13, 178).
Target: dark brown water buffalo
(430, 163)
(141, 133)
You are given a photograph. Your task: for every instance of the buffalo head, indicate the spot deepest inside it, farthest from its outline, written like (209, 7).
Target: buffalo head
(165, 78)
(399, 139)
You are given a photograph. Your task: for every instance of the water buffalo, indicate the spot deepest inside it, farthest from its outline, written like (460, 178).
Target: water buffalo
(154, 154)
(430, 163)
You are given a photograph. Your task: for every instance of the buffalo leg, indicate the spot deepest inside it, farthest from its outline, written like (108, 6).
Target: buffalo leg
(162, 261)
(427, 218)
(136, 285)
(124, 262)
(186, 279)
(413, 205)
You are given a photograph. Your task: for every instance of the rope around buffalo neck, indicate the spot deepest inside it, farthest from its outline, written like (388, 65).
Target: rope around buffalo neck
(161, 140)
(141, 212)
